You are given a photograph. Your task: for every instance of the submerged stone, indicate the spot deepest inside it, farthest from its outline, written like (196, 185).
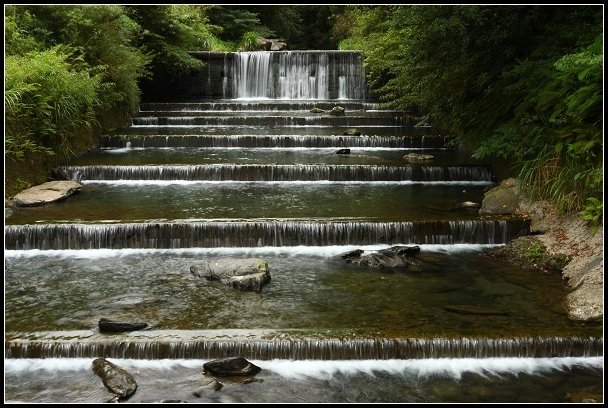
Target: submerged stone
(243, 274)
(474, 310)
(352, 132)
(418, 157)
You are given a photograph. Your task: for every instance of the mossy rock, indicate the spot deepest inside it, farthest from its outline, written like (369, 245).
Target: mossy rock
(530, 253)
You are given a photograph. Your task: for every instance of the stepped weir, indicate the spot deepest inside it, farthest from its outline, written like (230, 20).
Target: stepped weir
(237, 164)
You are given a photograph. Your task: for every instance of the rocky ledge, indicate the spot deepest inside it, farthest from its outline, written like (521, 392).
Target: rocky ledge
(559, 243)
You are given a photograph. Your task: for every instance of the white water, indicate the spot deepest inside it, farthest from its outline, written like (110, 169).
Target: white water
(293, 76)
(326, 369)
(318, 251)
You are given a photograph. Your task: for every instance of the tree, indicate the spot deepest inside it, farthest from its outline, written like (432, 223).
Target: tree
(519, 82)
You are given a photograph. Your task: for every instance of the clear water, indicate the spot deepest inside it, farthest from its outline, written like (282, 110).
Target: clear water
(136, 201)
(317, 313)
(311, 289)
(240, 155)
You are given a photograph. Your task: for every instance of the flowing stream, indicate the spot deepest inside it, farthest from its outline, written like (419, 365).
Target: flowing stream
(251, 172)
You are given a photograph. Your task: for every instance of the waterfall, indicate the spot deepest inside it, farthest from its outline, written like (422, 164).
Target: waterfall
(318, 349)
(257, 234)
(225, 77)
(252, 75)
(279, 141)
(288, 172)
(298, 75)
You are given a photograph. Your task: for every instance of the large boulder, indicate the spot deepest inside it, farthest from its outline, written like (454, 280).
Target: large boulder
(502, 199)
(48, 192)
(116, 379)
(243, 274)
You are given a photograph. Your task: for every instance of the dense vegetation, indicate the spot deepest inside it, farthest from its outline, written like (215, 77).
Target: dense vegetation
(521, 83)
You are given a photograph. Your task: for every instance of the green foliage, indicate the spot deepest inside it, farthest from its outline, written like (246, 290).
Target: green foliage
(521, 82)
(592, 213)
(107, 36)
(19, 24)
(535, 252)
(167, 33)
(103, 35)
(249, 41)
(48, 96)
(236, 21)
(302, 27)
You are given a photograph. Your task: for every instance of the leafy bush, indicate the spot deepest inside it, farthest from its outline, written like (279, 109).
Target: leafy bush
(592, 213)
(535, 252)
(249, 41)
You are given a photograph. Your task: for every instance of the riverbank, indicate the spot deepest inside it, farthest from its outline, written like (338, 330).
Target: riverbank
(561, 244)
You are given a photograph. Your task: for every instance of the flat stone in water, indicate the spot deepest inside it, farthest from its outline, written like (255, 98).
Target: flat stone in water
(47, 193)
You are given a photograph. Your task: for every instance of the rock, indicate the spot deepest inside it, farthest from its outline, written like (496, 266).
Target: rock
(396, 257)
(59, 174)
(568, 241)
(235, 366)
(418, 157)
(316, 110)
(503, 199)
(271, 44)
(529, 253)
(343, 151)
(116, 379)
(351, 132)
(48, 192)
(109, 326)
(337, 111)
(264, 44)
(253, 282)
(474, 310)
(243, 274)
(211, 384)
(278, 45)
(352, 255)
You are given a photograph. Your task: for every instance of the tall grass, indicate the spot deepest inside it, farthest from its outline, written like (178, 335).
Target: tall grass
(48, 98)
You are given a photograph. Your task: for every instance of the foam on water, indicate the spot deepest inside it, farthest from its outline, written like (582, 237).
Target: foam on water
(453, 368)
(313, 251)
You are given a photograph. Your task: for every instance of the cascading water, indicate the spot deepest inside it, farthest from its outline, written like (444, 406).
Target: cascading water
(298, 75)
(257, 176)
